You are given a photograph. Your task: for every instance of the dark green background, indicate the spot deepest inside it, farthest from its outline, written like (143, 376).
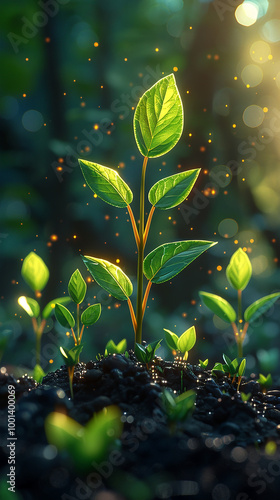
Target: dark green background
(75, 85)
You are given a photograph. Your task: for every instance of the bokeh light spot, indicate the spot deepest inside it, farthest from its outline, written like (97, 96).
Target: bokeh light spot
(246, 13)
(253, 116)
(32, 120)
(260, 52)
(228, 228)
(252, 75)
(271, 30)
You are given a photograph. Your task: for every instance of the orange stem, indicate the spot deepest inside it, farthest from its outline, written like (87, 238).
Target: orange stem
(147, 291)
(132, 314)
(74, 336)
(134, 227)
(81, 334)
(148, 224)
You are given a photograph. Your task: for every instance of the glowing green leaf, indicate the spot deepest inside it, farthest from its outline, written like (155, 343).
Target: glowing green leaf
(110, 277)
(239, 270)
(187, 340)
(63, 316)
(38, 374)
(171, 191)
(158, 119)
(218, 306)
(255, 310)
(91, 315)
(171, 340)
(169, 259)
(107, 184)
(35, 272)
(30, 306)
(49, 308)
(77, 287)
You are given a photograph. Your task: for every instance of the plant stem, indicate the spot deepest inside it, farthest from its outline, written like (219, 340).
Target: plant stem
(239, 340)
(147, 291)
(134, 227)
(74, 336)
(132, 314)
(81, 334)
(71, 375)
(244, 331)
(139, 313)
(38, 347)
(78, 324)
(239, 298)
(148, 224)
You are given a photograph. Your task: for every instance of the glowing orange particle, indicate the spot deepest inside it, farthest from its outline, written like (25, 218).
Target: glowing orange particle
(202, 149)
(23, 95)
(96, 127)
(54, 237)
(107, 217)
(47, 39)
(193, 302)
(96, 44)
(219, 268)
(175, 68)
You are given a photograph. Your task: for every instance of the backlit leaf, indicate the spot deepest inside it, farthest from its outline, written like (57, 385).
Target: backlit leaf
(255, 310)
(107, 184)
(30, 306)
(171, 340)
(158, 119)
(187, 340)
(49, 308)
(63, 316)
(171, 191)
(38, 374)
(77, 287)
(112, 348)
(35, 272)
(91, 315)
(169, 259)
(239, 270)
(110, 277)
(218, 306)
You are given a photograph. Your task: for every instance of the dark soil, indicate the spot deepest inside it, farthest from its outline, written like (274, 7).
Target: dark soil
(227, 449)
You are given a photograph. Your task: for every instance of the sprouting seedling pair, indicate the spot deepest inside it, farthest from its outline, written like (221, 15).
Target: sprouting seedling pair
(233, 368)
(177, 408)
(71, 358)
(112, 348)
(265, 381)
(158, 125)
(238, 272)
(85, 445)
(146, 354)
(77, 289)
(184, 343)
(36, 274)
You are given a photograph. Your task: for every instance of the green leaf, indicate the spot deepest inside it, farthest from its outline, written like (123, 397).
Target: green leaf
(242, 367)
(239, 270)
(187, 340)
(63, 316)
(218, 306)
(107, 184)
(245, 397)
(169, 259)
(110, 277)
(50, 307)
(171, 191)
(63, 432)
(112, 348)
(255, 310)
(140, 353)
(103, 429)
(178, 408)
(77, 287)
(91, 315)
(265, 381)
(219, 367)
(203, 364)
(171, 340)
(71, 356)
(158, 119)
(30, 306)
(38, 374)
(35, 272)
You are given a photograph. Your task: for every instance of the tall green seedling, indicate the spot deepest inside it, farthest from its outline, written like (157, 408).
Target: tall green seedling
(238, 272)
(158, 125)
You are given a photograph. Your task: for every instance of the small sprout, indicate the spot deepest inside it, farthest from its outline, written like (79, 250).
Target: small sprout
(77, 290)
(87, 444)
(232, 368)
(203, 364)
(71, 358)
(36, 274)
(146, 354)
(245, 397)
(241, 371)
(180, 407)
(184, 343)
(238, 272)
(265, 381)
(38, 374)
(112, 348)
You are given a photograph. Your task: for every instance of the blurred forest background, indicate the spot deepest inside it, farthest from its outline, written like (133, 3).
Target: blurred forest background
(71, 75)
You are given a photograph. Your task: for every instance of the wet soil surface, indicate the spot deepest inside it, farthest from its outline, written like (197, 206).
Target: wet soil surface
(227, 450)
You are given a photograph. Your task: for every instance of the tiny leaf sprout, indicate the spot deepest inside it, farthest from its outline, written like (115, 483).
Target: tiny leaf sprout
(77, 289)
(36, 274)
(245, 397)
(238, 272)
(231, 367)
(158, 125)
(71, 358)
(265, 381)
(184, 343)
(178, 408)
(146, 354)
(112, 348)
(203, 364)
(87, 444)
